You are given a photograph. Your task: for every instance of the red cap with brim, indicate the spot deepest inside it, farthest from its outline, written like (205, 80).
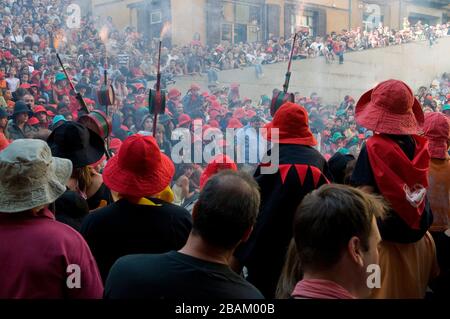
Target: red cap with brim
(115, 144)
(291, 120)
(390, 108)
(437, 130)
(33, 121)
(214, 123)
(184, 119)
(234, 123)
(218, 163)
(139, 169)
(239, 113)
(39, 109)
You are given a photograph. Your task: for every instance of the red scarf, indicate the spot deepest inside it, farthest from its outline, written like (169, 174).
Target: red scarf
(402, 182)
(320, 289)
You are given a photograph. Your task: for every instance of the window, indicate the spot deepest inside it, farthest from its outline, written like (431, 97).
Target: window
(155, 17)
(226, 32)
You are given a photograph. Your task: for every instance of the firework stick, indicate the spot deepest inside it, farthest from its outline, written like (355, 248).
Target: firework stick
(78, 95)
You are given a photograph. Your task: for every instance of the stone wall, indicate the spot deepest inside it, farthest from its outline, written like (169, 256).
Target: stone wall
(415, 63)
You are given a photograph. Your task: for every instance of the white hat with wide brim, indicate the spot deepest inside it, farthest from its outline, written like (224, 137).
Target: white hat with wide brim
(30, 177)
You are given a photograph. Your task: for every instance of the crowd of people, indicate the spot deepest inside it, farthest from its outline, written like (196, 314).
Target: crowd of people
(32, 32)
(139, 225)
(303, 231)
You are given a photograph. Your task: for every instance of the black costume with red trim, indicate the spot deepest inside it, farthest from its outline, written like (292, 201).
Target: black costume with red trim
(301, 170)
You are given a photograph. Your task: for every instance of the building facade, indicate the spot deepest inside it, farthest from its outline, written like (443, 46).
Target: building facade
(213, 21)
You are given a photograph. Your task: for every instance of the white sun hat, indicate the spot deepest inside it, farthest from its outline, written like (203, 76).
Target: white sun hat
(30, 177)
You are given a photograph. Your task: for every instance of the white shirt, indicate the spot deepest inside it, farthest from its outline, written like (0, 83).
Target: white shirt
(16, 38)
(13, 83)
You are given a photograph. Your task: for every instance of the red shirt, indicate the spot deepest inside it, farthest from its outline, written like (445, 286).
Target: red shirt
(35, 252)
(3, 141)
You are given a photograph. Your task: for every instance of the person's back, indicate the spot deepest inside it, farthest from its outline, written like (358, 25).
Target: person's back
(36, 253)
(124, 228)
(39, 257)
(437, 131)
(301, 170)
(140, 221)
(395, 164)
(399, 263)
(174, 275)
(200, 270)
(264, 253)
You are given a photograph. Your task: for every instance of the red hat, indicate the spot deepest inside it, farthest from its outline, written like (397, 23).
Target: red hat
(50, 113)
(89, 101)
(33, 121)
(115, 144)
(218, 163)
(250, 113)
(291, 120)
(215, 105)
(139, 169)
(234, 85)
(239, 113)
(390, 108)
(35, 73)
(234, 123)
(213, 114)
(195, 86)
(25, 86)
(8, 55)
(173, 93)
(39, 109)
(214, 123)
(205, 94)
(448, 96)
(212, 98)
(437, 130)
(184, 119)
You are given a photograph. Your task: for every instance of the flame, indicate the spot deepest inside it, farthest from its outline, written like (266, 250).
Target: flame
(103, 34)
(165, 29)
(58, 39)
